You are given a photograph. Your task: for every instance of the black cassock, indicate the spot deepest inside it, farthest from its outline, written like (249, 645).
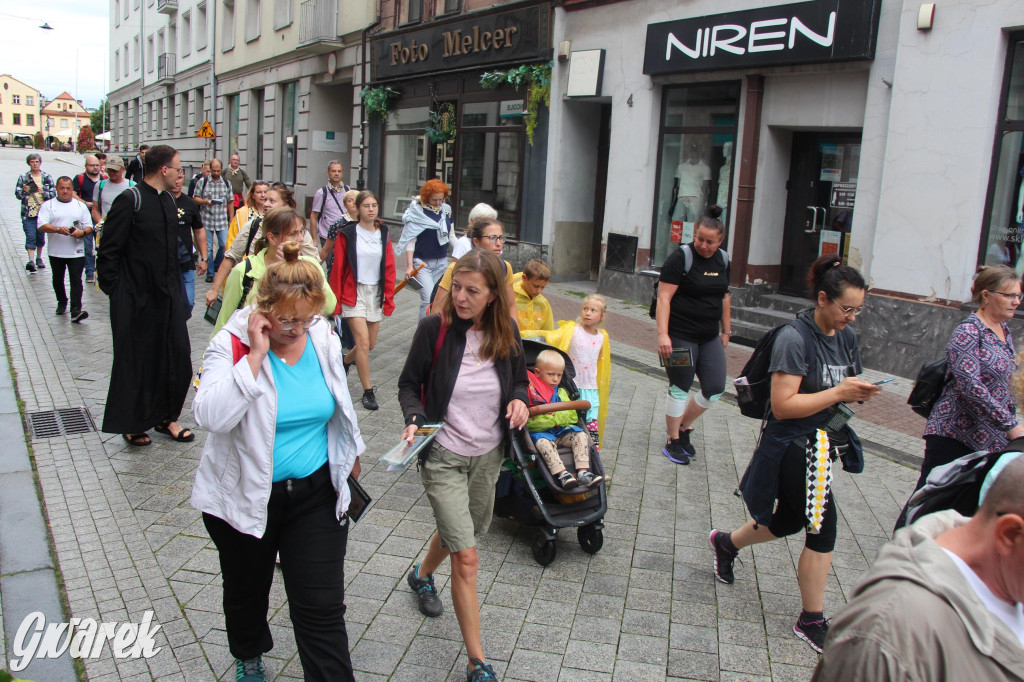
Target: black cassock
(137, 267)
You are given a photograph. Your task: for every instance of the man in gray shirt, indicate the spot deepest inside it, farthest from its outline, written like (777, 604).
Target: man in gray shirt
(105, 191)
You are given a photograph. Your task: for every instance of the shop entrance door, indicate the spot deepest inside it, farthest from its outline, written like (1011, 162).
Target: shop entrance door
(819, 211)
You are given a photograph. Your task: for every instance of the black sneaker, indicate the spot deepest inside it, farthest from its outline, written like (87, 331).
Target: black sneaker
(31, 267)
(723, 558)
(369, 399)
(40, 264)
(479, 671)
(588, 478)
(674, 451)
(209, 279)
(90, 279)
(250, 670)
(813, 632)
(684, 437)
(429, 603)
(78, 315)
(567, 480)
(62, 308)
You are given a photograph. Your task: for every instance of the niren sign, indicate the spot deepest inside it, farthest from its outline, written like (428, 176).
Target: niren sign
(800, 33)
(519, 35)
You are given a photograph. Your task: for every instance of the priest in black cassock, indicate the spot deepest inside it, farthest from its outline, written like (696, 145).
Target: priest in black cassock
(137, 267)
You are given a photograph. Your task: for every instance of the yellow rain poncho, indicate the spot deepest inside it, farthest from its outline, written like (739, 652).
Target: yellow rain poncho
(533, 313)
(561, 338)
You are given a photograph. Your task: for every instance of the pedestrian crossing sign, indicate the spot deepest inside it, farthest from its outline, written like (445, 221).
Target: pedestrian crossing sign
(206, 131)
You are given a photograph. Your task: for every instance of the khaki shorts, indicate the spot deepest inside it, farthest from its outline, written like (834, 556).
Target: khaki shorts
(367, 304)
(461, 493)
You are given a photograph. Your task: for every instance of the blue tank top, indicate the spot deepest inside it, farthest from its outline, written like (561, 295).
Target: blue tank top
(427, 245)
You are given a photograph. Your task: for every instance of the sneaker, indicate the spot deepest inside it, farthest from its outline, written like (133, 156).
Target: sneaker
(723, 558)
(250, 670)
(813, 632)
(347, 365)
(31, 267)
(684, 439)
(567, 480)
(588, 478)
(429, 603)
(40, 264)
(209, 279)
(62, 308)
(479, 671)
(91, 279)
(674, 451)
(370, 400)
(78, 315)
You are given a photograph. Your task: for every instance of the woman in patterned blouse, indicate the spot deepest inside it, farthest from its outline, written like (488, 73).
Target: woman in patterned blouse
(976, 410)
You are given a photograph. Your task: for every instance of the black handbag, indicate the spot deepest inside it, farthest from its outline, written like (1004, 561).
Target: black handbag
(928, 386)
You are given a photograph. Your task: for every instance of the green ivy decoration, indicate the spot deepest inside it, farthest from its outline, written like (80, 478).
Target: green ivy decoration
(442, 124)
(537, 78)
(378, 100)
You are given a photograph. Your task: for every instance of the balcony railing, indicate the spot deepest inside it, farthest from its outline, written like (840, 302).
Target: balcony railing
(167, 6)
(318, 22)
(166, 67)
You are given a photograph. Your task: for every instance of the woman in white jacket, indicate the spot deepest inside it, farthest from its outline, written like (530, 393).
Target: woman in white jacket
(283, 440)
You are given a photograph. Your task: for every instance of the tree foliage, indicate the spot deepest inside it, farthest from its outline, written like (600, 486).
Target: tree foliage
(99, 119)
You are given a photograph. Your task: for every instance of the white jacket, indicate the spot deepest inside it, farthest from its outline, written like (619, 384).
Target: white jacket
(235, 473)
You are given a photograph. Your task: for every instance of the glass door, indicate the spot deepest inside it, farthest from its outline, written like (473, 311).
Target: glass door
(819, 210)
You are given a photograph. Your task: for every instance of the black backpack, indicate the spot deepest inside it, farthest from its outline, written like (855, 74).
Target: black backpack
(687, 264)
(754, 385)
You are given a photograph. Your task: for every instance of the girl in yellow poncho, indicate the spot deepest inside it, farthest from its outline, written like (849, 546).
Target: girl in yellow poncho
(590, 351)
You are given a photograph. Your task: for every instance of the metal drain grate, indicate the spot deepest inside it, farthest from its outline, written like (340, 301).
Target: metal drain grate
(66, 421)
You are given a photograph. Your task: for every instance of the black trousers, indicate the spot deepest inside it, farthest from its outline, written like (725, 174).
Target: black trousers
(938, 450)
(302, 526)
(790, 512)
(75, 267)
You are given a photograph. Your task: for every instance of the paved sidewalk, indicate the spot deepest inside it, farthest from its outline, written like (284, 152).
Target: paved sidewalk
(646, 607)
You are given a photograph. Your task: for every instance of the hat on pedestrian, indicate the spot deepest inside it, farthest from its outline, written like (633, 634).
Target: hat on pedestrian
(115, 162)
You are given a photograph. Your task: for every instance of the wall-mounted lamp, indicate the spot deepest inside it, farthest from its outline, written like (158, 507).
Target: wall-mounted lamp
(926, 16)
(564, 48)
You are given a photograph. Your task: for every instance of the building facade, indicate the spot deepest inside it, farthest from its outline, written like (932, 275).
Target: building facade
(287, 84)
(863, 127)
(62, 118)
(19, 110)
(161, 75)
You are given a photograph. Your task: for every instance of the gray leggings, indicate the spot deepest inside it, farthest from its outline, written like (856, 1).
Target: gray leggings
(708, 365)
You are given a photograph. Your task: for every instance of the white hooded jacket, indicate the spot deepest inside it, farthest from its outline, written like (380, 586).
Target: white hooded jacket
(235, 474)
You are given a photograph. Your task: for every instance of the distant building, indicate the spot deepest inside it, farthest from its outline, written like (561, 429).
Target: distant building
(62, 118)
(19, 109)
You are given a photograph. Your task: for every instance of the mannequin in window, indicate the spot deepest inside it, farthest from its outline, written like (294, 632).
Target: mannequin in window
(725, 180)
(692, 176)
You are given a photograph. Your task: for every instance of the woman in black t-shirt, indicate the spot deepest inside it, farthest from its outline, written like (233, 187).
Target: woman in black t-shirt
(692, 303)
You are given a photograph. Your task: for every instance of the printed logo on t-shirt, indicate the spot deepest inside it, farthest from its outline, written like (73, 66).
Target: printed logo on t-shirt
(711, 274)
(833, 375)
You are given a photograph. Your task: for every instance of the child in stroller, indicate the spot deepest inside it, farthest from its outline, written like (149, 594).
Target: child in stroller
(550, 426)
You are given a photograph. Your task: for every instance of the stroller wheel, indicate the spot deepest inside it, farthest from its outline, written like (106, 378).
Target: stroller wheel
(543, 550)
(591, 538)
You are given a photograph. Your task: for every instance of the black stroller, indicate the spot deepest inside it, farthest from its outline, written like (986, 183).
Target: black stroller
(528, 494)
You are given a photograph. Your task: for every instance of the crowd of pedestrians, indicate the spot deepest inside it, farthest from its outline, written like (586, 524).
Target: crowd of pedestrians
(297, 302)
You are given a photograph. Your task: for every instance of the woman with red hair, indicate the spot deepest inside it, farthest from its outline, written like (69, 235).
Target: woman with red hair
(426, 231)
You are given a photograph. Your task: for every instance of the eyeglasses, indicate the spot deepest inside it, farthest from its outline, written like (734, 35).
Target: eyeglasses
(288, 325)
(849, 310)
(296, 236)
(494, 238)
(176, 168)
(1011, 296)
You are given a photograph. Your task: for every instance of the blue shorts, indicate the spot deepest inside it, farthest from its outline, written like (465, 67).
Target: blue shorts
(591, 396)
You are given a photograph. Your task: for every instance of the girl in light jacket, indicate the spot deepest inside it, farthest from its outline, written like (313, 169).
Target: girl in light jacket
(272, 478)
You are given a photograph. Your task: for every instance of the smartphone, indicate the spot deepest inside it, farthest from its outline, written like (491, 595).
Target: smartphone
(884, 381)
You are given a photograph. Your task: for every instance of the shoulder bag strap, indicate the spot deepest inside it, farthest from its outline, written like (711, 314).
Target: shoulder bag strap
(247, 281)
(257, 223)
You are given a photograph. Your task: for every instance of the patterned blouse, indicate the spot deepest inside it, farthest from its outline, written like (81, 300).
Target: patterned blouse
(976, 406)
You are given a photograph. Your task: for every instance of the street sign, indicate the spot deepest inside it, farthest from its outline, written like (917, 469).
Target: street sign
(206, 131)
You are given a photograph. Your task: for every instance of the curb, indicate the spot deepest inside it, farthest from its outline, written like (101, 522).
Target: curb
(28, 574)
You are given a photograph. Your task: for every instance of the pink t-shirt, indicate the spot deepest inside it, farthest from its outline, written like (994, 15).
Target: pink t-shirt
(584, 350)
(473, 419)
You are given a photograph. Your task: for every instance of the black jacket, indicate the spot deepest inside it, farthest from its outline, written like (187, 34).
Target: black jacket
(436, 384)
(136, 170)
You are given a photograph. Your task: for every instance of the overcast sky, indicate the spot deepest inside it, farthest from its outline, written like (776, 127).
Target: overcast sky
(46, 59)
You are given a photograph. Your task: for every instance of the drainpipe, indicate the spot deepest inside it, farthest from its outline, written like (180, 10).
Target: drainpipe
(213, 74)
(362, 110)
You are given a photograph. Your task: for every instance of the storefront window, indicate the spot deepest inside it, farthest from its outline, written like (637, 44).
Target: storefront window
(490, 172)
(697, 145)
(1003, 231)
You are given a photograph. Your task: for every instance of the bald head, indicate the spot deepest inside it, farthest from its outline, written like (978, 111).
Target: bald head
(92, 165)
(1007, 492)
